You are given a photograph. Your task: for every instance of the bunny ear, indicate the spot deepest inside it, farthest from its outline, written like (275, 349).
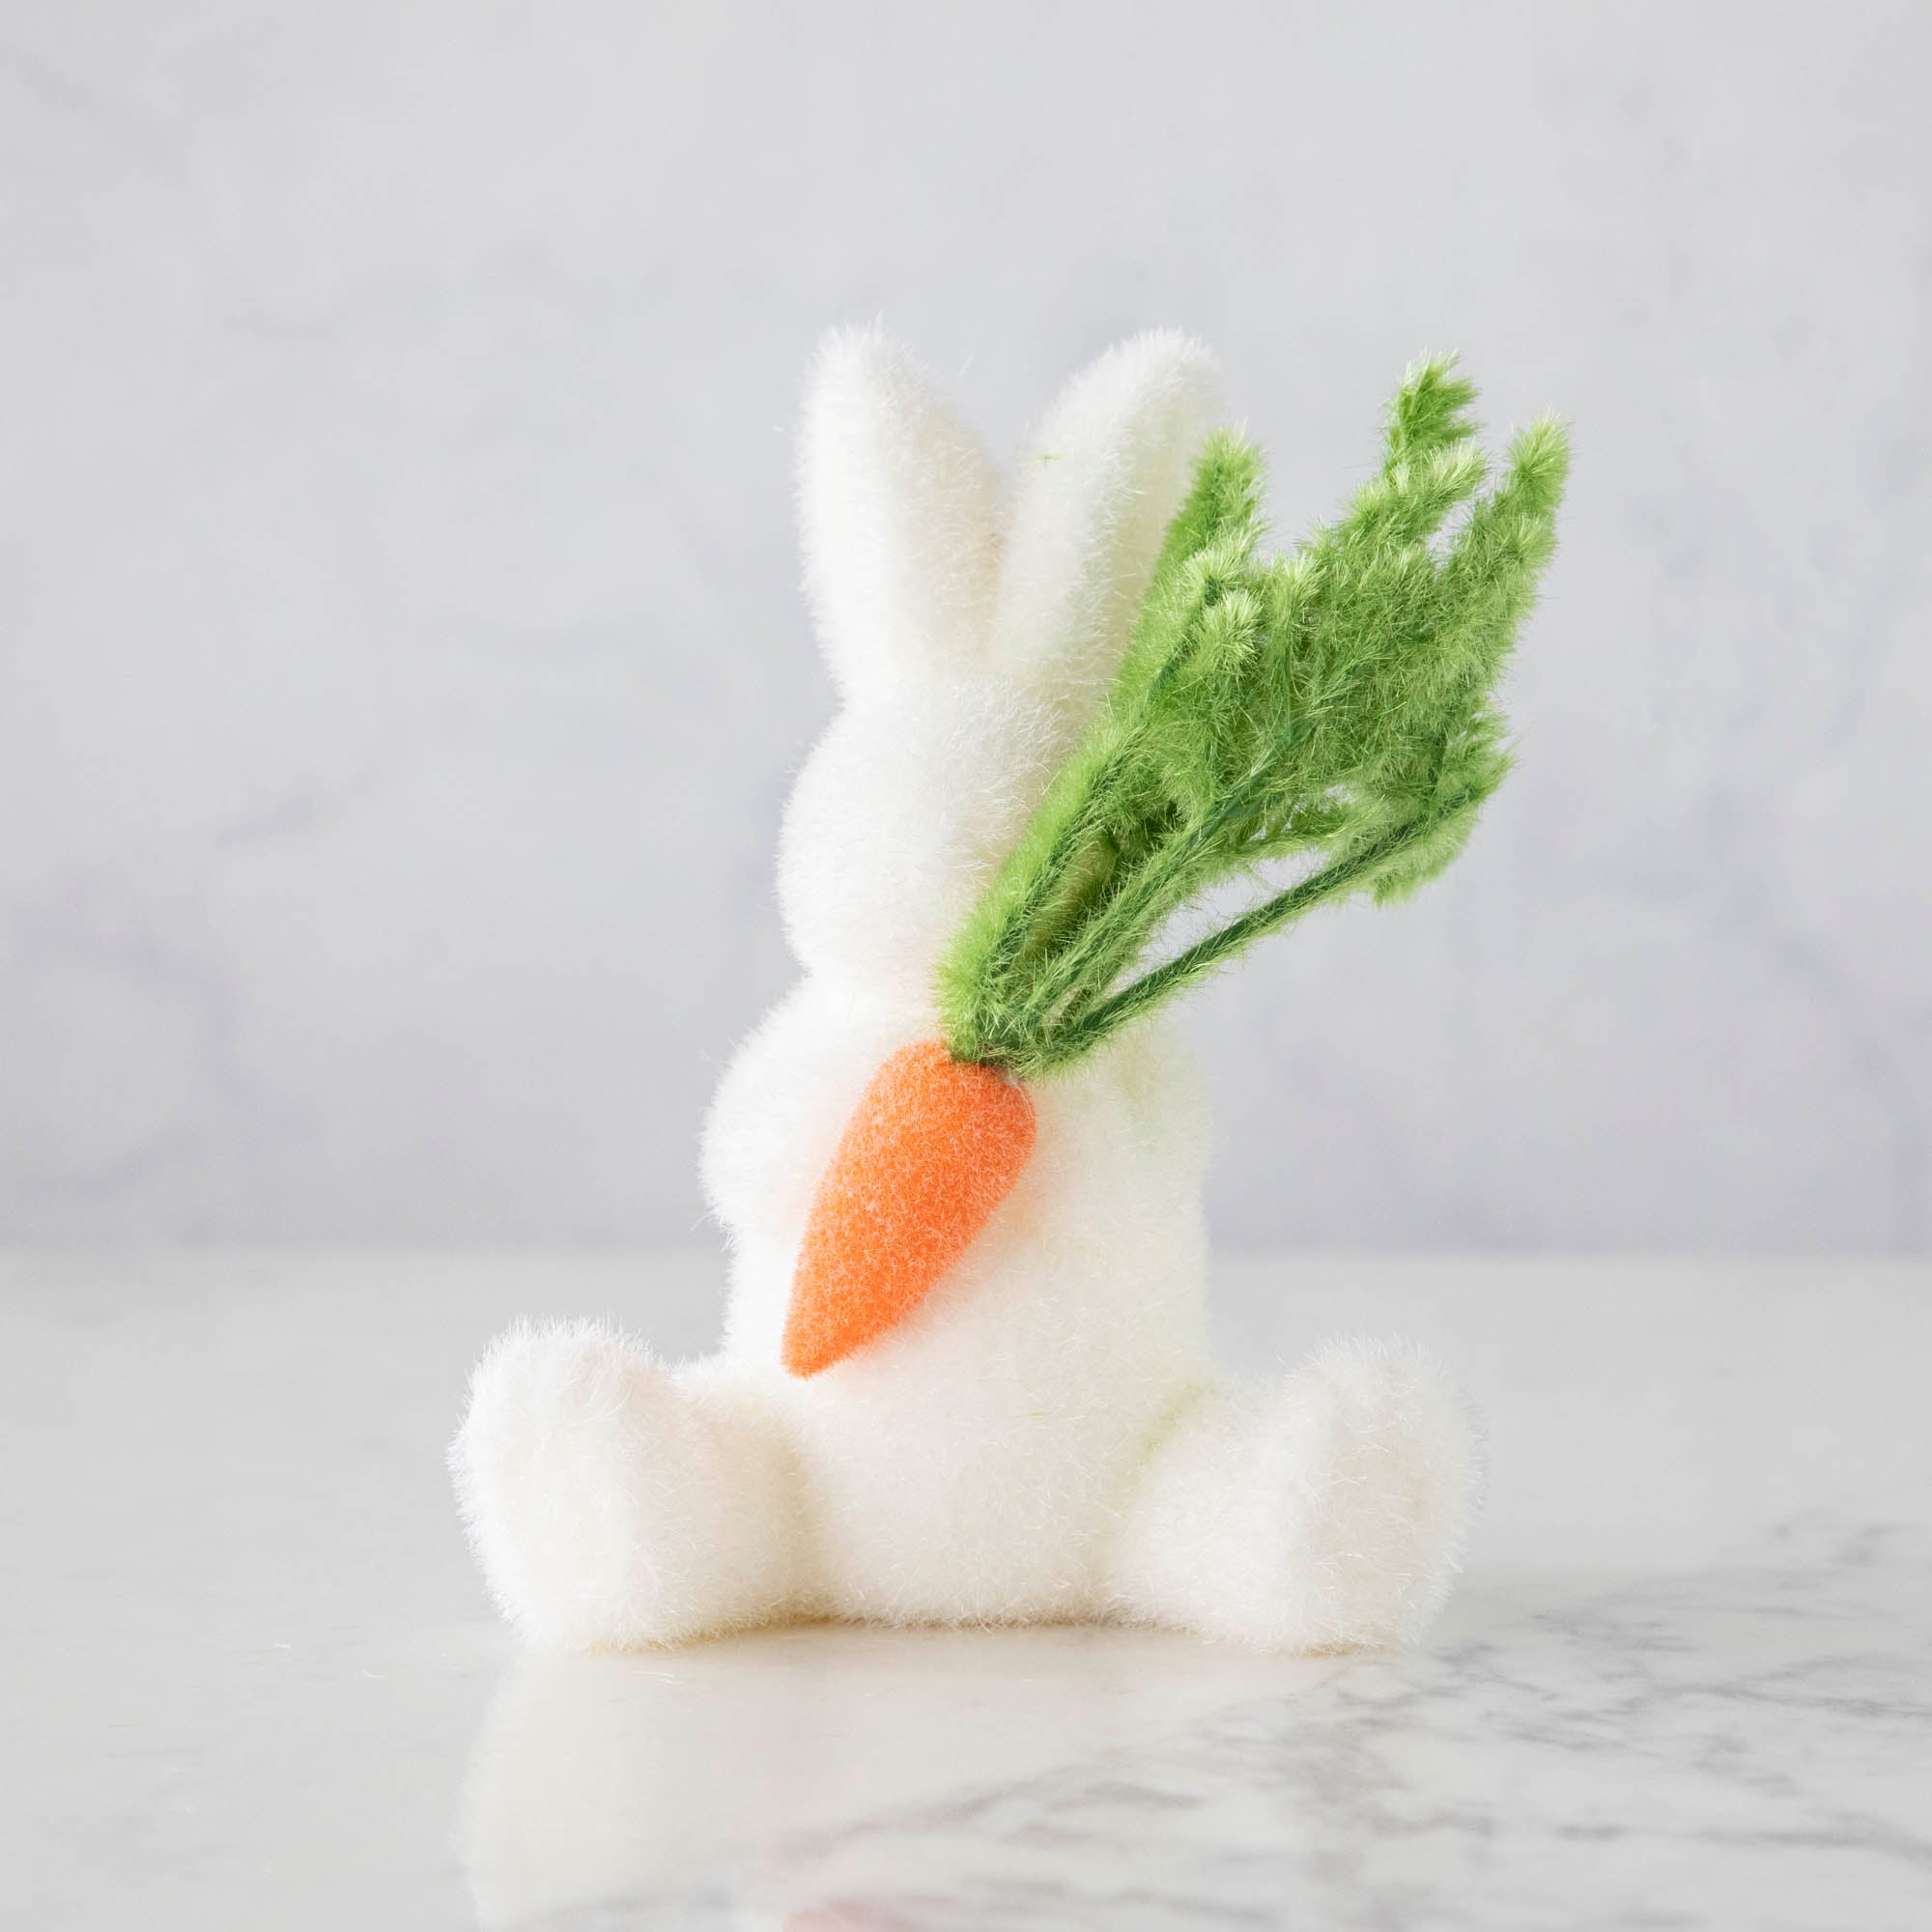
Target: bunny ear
(1106, 471)
(897, 506)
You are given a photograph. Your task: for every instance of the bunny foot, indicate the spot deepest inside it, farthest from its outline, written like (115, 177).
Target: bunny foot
(1324, 1512)
(610, 1507)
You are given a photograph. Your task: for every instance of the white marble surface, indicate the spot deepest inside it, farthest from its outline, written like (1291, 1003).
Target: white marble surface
(401, 661)
(251, 1681)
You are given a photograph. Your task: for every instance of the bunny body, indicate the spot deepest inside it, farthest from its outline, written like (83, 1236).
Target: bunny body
(1045, 1436)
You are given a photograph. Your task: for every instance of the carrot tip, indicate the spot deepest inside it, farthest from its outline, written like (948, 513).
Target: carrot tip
(933, 1148)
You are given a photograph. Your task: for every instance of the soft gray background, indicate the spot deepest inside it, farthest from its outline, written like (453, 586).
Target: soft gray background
(403, 663)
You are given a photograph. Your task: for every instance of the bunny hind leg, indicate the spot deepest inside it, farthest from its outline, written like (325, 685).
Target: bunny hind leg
(611, 1508)
(1318, 1512)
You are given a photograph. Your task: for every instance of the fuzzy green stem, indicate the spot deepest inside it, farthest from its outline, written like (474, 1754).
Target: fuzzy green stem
(1336, 703)
(1081, 1034)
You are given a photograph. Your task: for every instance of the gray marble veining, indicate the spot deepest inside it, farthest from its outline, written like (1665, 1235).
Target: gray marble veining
(1687, 1681)
(1740, 1746)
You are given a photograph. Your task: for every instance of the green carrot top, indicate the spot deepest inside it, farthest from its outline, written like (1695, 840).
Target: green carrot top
(1334, 705)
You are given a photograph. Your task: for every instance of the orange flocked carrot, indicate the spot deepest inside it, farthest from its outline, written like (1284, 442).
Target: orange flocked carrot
(934, 1147)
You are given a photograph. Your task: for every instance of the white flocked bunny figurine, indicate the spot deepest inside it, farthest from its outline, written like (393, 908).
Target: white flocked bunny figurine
(1038, 1432)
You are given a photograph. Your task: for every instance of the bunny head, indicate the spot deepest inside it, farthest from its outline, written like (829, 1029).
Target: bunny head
(971, 630)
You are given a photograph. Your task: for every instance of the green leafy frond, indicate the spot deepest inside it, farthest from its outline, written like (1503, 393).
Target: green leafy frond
(1333, 706)
(1430, 412)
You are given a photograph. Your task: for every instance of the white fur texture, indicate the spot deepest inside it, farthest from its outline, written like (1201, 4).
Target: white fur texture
(1046, 1436)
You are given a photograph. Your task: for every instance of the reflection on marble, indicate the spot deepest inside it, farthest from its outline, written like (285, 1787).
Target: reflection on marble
(248, 1679)
(604, 1777)
(1747, 1745)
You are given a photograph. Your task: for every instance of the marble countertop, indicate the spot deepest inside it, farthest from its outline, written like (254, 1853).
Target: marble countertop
(250, 1680)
